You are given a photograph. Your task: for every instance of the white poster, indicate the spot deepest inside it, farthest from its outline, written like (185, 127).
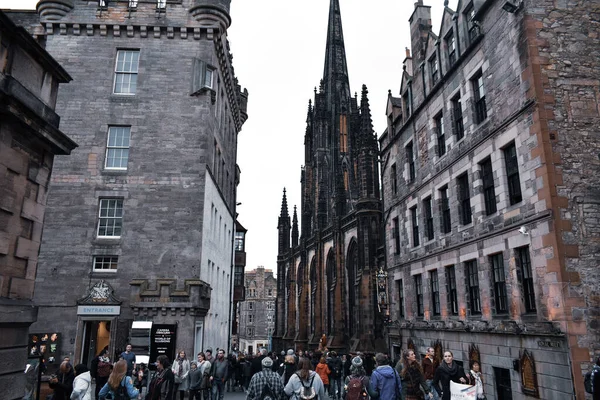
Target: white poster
(462, 392)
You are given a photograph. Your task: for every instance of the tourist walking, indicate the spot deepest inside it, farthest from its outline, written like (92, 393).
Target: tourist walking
(305, 382)
(266, 383)
(448, 371)
(413, 380)
(335, 377)
(62, 383)
(429, 367)
(323, 370)
(218, 375)
(162, 384)
(474, 379)
(82, 385)
(385, 380)
(204, 366)
(357, 385)
(119, 382)
(181, 369)
(129, 356)
(101, 367)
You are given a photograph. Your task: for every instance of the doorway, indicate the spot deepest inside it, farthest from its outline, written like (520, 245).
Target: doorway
(503, 385)
(96, 336)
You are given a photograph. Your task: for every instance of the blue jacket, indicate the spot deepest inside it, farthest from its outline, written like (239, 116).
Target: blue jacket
(132, 392)
(386, 382)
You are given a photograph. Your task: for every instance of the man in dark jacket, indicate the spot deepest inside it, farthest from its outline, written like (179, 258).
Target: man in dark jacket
(257, 362)
(63, 382)
(335, 378)
(218, 375)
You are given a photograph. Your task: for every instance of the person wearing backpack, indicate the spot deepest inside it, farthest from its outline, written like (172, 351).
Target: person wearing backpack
(385, 379)
(266, 384)
(119, 385)
(357, 385)
(335, 378)
(305, 384)
(323, 370)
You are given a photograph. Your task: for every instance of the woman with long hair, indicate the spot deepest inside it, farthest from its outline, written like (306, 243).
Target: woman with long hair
(448, 371)
(162, 384)
(304, 380)
(204, 367)
(412, 377)
(119, 382)
(181, 370)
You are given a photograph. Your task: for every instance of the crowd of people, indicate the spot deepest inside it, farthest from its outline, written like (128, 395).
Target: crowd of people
(286, 375)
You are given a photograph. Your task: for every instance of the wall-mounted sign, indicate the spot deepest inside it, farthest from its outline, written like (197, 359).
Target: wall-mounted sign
(549, 344)
(98, 310)
(46, 345)
(162, 341)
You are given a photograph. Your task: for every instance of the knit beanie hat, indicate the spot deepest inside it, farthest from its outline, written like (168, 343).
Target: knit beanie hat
(357, 362)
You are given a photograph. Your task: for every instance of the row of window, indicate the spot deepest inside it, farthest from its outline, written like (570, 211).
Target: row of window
(472, 290)
(133, 4)
(451, 52)
(249, 318)
(127, 69)
(464, 199)
(458, 130)
(270, 304)
(251, 292)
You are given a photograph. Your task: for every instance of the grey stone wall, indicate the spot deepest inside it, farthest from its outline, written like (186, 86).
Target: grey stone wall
(258, 283)
(178, 141)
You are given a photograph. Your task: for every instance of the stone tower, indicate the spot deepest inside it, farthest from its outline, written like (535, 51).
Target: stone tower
(144, 212)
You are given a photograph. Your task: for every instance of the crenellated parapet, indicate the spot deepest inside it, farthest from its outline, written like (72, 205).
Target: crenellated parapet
(54, 10)
(161, 296)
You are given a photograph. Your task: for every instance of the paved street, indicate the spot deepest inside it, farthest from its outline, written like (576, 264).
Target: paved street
(235, 396)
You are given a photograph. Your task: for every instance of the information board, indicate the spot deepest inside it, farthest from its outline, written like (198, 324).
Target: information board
(162, 341)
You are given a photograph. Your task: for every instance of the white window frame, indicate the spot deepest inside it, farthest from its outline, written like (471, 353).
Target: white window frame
(132, 71)
(117, 147)
(100, 217)
(250, 318)
(250, 305)
(109, 270)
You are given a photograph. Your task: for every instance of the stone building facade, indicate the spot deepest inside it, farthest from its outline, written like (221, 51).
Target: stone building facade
(143, 214)
(490, 173)
(257, 311)
(29, 141)
(327, 264)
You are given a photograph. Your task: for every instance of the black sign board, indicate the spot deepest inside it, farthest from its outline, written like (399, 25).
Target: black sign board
(162, 341)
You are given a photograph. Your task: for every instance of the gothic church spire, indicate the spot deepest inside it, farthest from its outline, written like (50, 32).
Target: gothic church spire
(335, 74)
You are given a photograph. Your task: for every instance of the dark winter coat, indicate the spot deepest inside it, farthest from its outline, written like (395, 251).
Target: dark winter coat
(443, 375)
(336, 368)
(64, 387)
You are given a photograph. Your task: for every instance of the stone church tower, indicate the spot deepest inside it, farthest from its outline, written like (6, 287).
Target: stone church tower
(326, 273)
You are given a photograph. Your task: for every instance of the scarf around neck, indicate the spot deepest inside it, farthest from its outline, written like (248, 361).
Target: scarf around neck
(180, 364)
(451, 369)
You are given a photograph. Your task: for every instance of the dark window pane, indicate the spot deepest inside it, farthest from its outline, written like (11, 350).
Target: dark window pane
(473, 287)
(524, 265)
(451, 290)
(464, 199)
(435, 292)
(512, 174)
(419, 293)
(499, 280)
(489, 192)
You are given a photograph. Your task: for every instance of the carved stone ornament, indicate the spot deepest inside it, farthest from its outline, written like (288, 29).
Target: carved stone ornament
(100, 293)
(474, 354)
(438, 352)
(529, 375)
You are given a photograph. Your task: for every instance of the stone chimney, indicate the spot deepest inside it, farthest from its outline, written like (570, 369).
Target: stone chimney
(420, 26)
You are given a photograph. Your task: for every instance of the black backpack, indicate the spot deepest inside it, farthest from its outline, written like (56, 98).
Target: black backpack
(267, 393)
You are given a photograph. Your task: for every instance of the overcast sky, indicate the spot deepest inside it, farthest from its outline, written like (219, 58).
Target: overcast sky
(279, 51)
